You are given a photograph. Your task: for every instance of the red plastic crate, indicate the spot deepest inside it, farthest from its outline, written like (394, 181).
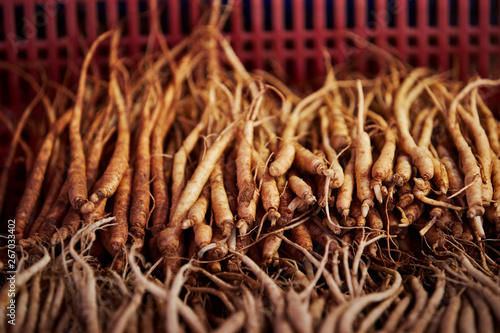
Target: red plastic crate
(289, 33)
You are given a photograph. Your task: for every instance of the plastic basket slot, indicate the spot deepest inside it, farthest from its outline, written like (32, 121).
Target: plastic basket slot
(284, 35)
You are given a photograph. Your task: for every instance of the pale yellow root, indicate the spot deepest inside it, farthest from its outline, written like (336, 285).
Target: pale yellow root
(77, 191)
(107, 185)
(402, 171)
(356, 213)
(345, 193)
(364, 160)
(338, 173)
(382, 168)
(168, 240)
(268, 187)
(198, 211)
(286, 154)
(422, 189)
(484, 152)
(283, 160)
(418, 123)
(308, 161)
(440, 177)
(270, 246)
(244, 179)
(202, 234)
(246, 215)
(141, 195)
(455, 177)
(339, 136)
(180, 159)
(402, 104)
(325, 196)
(490, 125)
(223, 216)
(194, 186)
(424, 139)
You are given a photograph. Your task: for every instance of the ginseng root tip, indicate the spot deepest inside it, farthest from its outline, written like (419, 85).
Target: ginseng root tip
(378, 193)
(477, 225)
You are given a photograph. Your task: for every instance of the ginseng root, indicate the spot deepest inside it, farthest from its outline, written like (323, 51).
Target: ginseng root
(364, 160)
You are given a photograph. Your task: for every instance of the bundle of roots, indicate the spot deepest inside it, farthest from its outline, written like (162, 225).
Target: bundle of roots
(184, 192)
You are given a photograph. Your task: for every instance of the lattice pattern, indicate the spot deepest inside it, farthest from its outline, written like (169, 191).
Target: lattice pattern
(287, 34)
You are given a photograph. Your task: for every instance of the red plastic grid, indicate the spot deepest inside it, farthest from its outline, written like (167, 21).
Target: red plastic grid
(289, 33)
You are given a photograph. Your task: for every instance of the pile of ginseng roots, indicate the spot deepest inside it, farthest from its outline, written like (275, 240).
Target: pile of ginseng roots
(187, 191)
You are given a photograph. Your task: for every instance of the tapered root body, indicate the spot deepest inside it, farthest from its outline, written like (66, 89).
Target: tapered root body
(283, 161)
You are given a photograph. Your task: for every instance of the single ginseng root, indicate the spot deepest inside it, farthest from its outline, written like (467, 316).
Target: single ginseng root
(198, 211)
(107, 185)
(402, 171)
(118, 233)
(337, 178)
(364, 159)
(244, 179)
(180, 159)
(34, 184)
(419, 156)
(270, 196)
(307, 161)
(169, 238)
(139, 206)
(382, 168)
(455, 177)
(440, 177)
(345, 193)
(223, 215)
(300, 187)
